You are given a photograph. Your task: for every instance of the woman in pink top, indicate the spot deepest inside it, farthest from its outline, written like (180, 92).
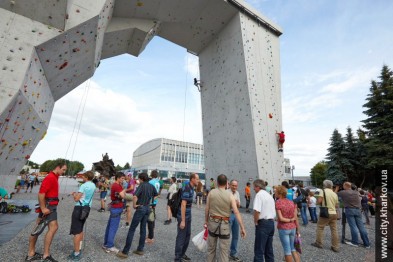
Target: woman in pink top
(287, 223)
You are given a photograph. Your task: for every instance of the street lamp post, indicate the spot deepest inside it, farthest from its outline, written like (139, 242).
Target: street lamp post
(293, 168)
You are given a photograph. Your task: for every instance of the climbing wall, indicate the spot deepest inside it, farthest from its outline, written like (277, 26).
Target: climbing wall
(241, 106)
(45, 53)
(47, 48)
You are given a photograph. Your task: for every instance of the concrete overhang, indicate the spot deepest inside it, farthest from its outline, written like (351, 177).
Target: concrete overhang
(191, 24)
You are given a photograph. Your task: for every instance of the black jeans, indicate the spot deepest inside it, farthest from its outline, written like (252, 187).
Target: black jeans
(247, 202)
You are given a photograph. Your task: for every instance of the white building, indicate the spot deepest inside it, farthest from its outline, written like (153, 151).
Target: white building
(170, 158)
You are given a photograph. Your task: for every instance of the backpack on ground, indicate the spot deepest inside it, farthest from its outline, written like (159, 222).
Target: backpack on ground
(3, 207)
(175, 202)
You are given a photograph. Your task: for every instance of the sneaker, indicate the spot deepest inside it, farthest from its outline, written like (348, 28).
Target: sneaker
(138, 252)
(49, 259)
(185, 258)
(368, 247)
(233, 258)
(316, 245)
(37, 256)
(101, 210)
(113, 250)
(351, 244)
(105, 249)
(74, 257)
(121, 255)
(167, 222)
(334, 250)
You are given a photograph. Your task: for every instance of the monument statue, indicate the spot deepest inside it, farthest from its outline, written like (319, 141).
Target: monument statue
(105, 167)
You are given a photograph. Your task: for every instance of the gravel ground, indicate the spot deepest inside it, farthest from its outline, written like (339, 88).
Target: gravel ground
(165, 235)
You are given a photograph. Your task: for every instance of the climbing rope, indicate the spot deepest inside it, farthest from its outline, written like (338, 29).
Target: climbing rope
(185, 97)
(77, 126)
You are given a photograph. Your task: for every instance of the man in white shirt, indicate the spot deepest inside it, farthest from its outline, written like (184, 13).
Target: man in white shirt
(233, 222)
(264, 214)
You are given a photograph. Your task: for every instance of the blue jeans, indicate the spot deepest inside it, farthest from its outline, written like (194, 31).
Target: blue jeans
(263, 246)
(313, 213)
(182, 238)
(354, 219)
(112, 226)
(303, 212)
(140, 216)
(234, 225)
(287, 238)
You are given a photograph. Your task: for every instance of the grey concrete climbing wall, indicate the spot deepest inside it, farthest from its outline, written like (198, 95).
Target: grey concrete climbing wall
(47, 48)
(241, 106)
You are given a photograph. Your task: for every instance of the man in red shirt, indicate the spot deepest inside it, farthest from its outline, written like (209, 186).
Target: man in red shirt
(281, 140)
(48, 198)
(117, 194)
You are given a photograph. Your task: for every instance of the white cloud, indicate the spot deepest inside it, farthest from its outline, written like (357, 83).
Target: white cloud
(350, 80)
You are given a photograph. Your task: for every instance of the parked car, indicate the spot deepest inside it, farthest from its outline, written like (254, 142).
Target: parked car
(313, 189)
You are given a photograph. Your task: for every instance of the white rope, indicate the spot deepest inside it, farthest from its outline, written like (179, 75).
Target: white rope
(80, 111)
(185, 97)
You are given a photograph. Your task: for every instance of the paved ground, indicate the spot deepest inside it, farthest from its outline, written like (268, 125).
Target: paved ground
(163, 249)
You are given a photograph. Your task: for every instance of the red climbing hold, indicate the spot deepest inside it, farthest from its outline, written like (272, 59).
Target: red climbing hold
(63, 65)
(270, 115)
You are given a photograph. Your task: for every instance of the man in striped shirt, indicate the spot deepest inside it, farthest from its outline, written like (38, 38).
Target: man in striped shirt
(141, 202)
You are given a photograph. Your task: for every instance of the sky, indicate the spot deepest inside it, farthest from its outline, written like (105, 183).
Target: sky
(330, 50)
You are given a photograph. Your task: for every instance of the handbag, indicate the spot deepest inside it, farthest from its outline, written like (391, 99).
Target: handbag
(152, 215)
(323, 210)
(85, 210)
(298, 244)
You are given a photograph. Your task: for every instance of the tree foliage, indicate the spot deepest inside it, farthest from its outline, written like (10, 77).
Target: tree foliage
(118, 167)
(318, 173)
(379, 122)
(73, 167)
(354, 158)
(127, 166)
(33, 165)
(337, 161)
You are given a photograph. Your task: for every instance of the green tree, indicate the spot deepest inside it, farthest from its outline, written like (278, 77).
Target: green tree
(361, 155)
(47, 166)
(73, 167)
(118, 167)
(337, 160)
(33, 165)
(127, 166)
(349, 152)
(318, 173)
(379, 122)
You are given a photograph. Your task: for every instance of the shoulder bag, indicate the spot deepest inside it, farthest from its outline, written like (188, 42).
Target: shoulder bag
(85, 210)
(323, 210)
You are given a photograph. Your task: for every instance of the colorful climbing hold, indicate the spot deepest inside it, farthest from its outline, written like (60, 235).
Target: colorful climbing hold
(63, 65)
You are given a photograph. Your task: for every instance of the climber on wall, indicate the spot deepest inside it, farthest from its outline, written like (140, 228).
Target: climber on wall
(281, 140)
